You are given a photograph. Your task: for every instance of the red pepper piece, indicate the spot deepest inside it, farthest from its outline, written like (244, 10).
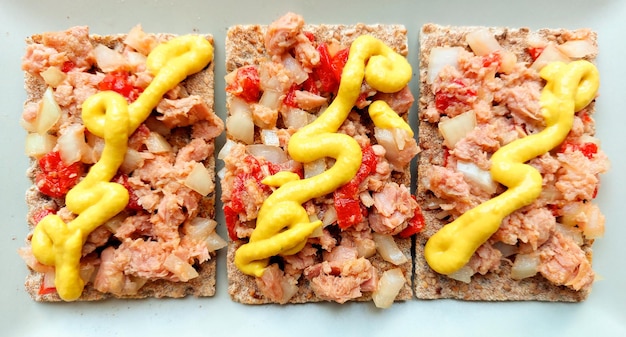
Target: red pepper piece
(56, 178)
(416, 224)
(67, 66)
(456, 93)
(247, 84)
(232, 219)
(42, 213)
(338, 62)
(535, 52)
(324, 72)
(587, 149)
(119, 82)
(133, 200)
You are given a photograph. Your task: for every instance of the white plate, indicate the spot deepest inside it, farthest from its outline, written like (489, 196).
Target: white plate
(604, 313)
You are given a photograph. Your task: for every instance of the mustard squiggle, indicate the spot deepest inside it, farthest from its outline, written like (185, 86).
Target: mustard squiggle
(95, 199)
(569, 88)
(283, 225)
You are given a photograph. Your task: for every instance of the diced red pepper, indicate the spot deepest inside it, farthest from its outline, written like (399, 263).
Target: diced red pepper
(133, 200)
(587, 149)
(290, 98)
(338, 62)
(346, 199)
(309, 36)
(246, 85)
(43, 290)
(458, 93)
(232, 219)
(555, 210)
(324, 72)
(416, 224)
(67, 66)
(119, 82)
(535, 52)
(42, 213)
(56, 178)
(492, 58)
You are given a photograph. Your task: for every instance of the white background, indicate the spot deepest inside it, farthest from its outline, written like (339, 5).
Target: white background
(603, 314)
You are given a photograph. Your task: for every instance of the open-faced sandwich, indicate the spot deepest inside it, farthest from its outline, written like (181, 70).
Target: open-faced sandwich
(509, 165)
(316, 181)
(121, 135)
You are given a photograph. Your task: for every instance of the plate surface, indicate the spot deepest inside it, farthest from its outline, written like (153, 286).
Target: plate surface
(604, 312)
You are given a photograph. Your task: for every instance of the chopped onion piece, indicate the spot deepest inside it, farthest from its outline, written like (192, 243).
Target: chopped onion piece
(594, 228)
(241, 127)
(549, 54)
(270, 137)
(525, 265)
(115, 222)
(296, 118)
(439, 58)
(199, 180)
(578, 48)
(199, 228)
(271, 99)
(225, 151)
(48, 114)
(464, 274)
(573, 233)
(291, 64)
(26, 253)
(314, 168)
(132, 160)
(478, 176)
(215, 242)
(482, 42)
(388, 249)
(37, 145)
(108, 59)
(389, 286)
(273, 154)
(505, 249)
(365, 248)
(180, 268)
(157, 143)
(72, 144)
(330, 216)
(455, 129)
(48, 279)
(53, 76)
(319, 231)
(87, 272)
(573, 213)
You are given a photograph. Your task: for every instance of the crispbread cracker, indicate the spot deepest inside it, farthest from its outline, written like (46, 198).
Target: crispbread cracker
(245, 46)
(202, 84)
(492, 286)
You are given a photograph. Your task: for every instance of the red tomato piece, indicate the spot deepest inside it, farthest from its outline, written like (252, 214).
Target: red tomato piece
(246, 85)
(416, 224)
(56, 178)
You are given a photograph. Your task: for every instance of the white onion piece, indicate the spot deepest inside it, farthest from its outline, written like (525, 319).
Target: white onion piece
(108, 59)
(525, 265)
(72, 144)
(37, 145)
(319, 231)
(594, 228)
(464, 274)
(330, 216)
(115, 222)
(296, 118)
(270, 137)
(53, 76)
(26, 253)
(291, 64)
(271, 99)
(48, 114)
(365, 248)
(314, 168)
(549, 54)
(136, 60)
(574, 233)
(225, 151)
(388, 249)
(389, 286)
(87, 272)
(199, 228)
(505, 249)
(482, 42)
(199, 180)
(241, 127)
(273, 154)
(578, 48)
(48, 279)
(573, 213)
(132, 160)
(477, 175)
(455, 129)
(230, 77)
(157, 143)
(180, 268)
(215, 242)
(439, 58)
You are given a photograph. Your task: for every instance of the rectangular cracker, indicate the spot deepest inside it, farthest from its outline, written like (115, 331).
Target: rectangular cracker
(494, 286)
(201, 84)
(245, 46)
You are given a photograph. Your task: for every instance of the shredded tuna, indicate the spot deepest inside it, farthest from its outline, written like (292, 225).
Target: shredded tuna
(533, 227)
(340, 281)
(282, 34)
(485, 259)
(393, 207)
(563, 262)
(183, 111)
